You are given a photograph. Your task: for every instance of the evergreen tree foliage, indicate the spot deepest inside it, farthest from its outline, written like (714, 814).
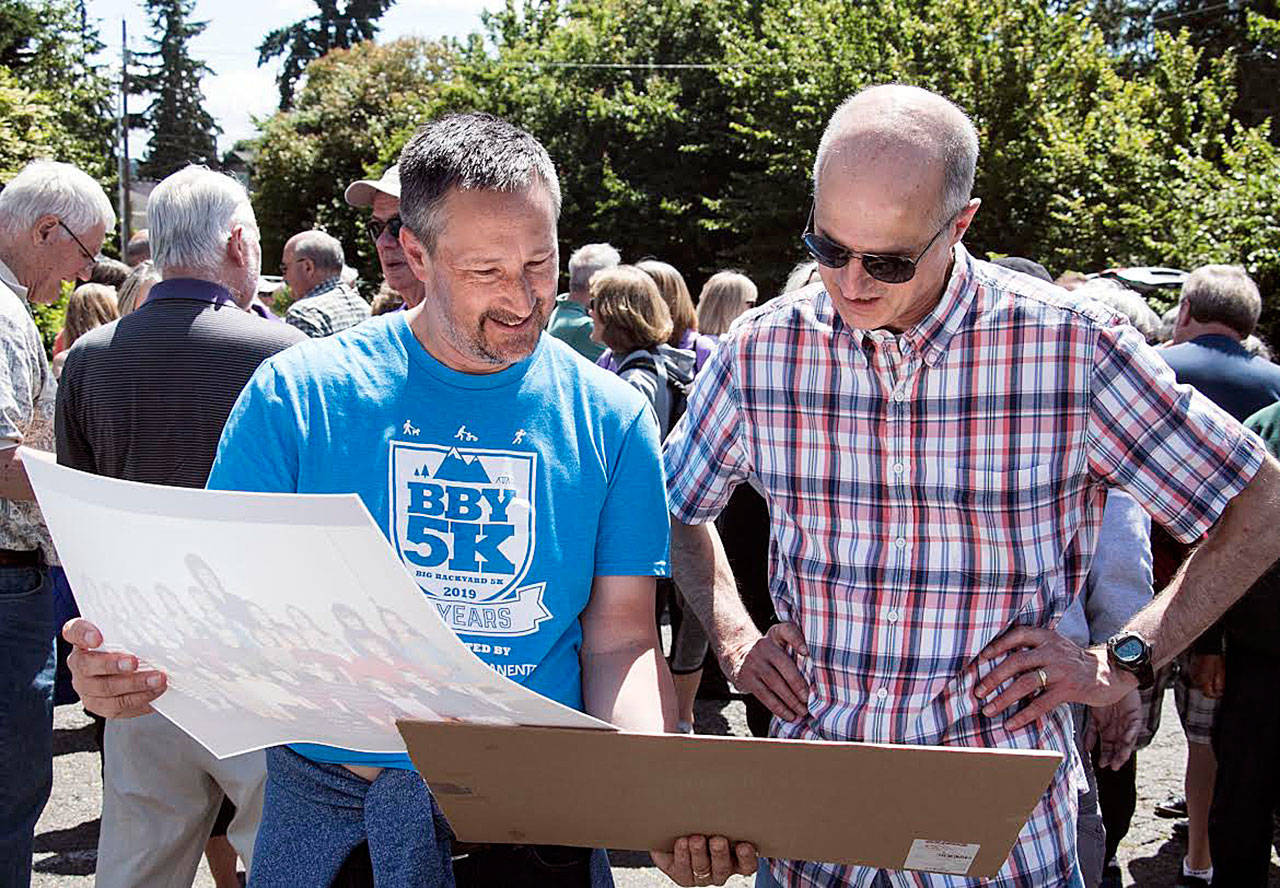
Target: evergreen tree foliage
(182, 131)
(339, 24)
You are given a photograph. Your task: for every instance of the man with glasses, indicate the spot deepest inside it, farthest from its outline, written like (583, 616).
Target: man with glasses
(311, 264)
(383, 197)
(53, 218)
(935, 436)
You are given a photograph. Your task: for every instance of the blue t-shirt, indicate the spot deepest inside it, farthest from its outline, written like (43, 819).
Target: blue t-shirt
(504, 494)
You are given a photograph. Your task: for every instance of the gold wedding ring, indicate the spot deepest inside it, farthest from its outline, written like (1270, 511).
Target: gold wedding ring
(701, 876)
(1044, 678)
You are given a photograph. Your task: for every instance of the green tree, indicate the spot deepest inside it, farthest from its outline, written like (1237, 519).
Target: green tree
(348, 123)
(61, 101)
(182, 131)
(688, 129)
(337, 25)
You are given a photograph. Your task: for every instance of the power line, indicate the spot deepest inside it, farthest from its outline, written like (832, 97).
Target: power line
(1190, 13)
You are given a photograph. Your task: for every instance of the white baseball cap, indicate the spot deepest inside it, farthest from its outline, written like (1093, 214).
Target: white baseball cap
(360, 194)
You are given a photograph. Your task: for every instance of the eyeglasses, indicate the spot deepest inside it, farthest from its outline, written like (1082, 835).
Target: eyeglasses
(887, 269)
(88, 256)
(375, 227)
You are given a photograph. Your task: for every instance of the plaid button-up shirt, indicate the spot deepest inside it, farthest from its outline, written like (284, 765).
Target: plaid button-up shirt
(929, 490)
(329, 307)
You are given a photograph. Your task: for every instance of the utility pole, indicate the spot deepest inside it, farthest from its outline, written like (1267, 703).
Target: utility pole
(126, 217)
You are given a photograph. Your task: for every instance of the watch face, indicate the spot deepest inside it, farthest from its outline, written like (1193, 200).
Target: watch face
(1129, 650)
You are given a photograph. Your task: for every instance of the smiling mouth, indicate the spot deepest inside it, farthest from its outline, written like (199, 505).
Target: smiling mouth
(511, 324)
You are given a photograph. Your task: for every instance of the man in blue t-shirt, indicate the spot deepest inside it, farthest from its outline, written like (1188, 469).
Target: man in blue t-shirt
(521, 486)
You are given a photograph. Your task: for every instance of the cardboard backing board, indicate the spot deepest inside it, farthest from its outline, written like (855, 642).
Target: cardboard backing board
(896, 807)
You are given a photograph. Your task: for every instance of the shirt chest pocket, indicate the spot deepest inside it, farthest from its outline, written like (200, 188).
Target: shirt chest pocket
(1000, 526)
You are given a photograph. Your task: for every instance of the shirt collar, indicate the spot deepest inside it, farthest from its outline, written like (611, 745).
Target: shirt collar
(933, 333)
(191, 288)
(323, 287)
(1222, 343)
(11, 281)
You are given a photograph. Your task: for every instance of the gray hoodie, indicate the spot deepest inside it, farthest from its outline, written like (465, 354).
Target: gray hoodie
(1119, 581)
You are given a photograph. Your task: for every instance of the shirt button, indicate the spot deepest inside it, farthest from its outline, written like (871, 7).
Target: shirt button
(899, 468)
(900, 542)
(892, 616)
(899, 395)
(882, 693)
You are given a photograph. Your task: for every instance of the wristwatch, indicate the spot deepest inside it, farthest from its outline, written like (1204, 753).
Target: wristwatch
(1131, 652)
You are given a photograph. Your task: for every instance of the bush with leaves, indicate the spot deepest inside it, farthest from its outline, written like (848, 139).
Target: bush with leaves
(353, 104)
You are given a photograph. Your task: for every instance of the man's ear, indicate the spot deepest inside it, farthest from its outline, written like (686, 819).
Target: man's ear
(236, 249)
(964, 219)
(415, 253)
(44, 228)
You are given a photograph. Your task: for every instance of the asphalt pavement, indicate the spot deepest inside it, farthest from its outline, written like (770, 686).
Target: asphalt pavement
(67, 835)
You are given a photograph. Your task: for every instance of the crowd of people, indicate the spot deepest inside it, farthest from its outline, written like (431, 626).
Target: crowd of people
(914, 498)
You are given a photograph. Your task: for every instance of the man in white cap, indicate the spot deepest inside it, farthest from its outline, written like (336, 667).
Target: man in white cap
(383, 195)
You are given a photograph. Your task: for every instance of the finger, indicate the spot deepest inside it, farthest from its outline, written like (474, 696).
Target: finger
(790, 635)
(721, 859)
(1037, 708)
(94, 663)
(146, 682)
(699, 860)
(124, 705)
(80, 632)
(1091, 738)
(675, 864)
(771, 702)
(747, 859)
(1026, 687)
(1011, 666)
(1017, 637)
(778, 683)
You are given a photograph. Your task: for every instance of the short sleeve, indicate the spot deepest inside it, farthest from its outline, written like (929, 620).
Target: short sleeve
(633, 536)
(17, 385)
(259, 447)
(1169, 447)
(704, 456)
(302, 320)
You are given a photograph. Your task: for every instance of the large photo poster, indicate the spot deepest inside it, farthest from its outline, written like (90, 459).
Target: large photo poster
(278, 618)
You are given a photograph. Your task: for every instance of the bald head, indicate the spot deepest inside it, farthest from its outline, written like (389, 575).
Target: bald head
(903, 128)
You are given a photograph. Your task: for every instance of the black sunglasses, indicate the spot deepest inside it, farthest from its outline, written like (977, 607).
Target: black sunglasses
(375, 227)
(887, 269)
(89, 257)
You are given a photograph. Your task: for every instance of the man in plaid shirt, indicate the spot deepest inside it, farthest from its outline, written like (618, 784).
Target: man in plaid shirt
(936, 436)
(311, 265)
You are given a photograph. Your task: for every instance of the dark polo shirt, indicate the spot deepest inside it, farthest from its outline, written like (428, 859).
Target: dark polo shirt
(145, 398)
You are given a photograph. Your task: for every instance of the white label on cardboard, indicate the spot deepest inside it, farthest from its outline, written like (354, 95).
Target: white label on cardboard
(953, 858)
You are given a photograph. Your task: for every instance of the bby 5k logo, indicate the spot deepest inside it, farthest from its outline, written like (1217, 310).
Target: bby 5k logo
(464, 525)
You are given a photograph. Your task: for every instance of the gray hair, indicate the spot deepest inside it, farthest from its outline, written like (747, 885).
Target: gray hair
(192, 214)
(896, 115)
(801, 276)
(323, 249)
(587, 260)
(1123, 301)
(1257, 347)
(468, 151)
(46, 187)
(1223, 294)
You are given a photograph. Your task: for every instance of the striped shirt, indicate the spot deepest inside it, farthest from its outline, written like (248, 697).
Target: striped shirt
(329, 307)
(929, 490)
(145, 398)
